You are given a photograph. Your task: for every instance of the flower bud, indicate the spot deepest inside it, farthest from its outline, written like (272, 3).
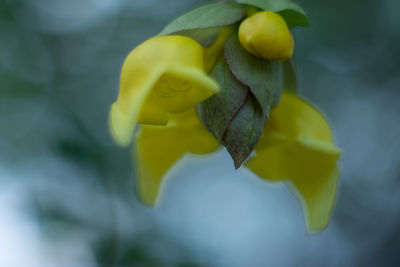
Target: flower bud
(266, 35)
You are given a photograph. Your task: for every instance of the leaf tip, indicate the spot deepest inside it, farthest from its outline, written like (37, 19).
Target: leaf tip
(238, 156)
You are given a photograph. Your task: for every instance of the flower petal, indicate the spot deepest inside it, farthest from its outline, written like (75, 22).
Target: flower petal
(297, 147)
(313, 174)
(295, 119)
(177, 90)
(158, 148)
(163, 75)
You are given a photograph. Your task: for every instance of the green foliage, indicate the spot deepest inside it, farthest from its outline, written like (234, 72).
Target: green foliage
(289, 76)
(205, 37)
(244, 131)
(250, 87)
(219, 110)
(293, 14)
(261, 76)
(207, 16)
(294, 18)
(233, 116)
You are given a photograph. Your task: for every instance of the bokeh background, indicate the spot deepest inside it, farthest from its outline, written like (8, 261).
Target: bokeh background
(66, 190)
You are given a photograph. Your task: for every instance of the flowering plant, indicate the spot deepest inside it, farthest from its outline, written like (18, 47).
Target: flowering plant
(221, 74)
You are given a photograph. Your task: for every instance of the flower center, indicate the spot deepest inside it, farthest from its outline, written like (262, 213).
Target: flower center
(168, 86)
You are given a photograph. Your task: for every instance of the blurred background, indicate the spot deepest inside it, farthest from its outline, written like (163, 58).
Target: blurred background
(66, 190)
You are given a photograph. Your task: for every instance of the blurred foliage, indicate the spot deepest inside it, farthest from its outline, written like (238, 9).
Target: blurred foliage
(59, 73)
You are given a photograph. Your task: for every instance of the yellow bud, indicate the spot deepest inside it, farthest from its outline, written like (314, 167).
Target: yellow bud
(266, 35)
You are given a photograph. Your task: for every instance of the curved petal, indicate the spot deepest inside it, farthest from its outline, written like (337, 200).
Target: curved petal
(295, 119)
(177, 90)
(297, 147)
(312, 173)
(158, 148)
(164, 74)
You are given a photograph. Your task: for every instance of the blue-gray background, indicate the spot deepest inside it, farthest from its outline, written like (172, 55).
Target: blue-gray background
(66, 191)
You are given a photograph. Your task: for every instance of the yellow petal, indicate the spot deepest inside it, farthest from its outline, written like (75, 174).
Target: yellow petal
(163, 75)
(312, 173)
(214, 52)
(158, 148)
(296, 120)
(297, 146)
(266, 35)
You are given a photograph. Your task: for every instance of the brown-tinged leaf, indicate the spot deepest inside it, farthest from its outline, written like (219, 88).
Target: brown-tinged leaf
(218, 111)
(263, 77)
(233, 116)
(245, 130)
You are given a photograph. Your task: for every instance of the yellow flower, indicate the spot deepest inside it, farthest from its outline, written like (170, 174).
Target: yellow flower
(163, 75)
(266, 35)
(297, 146)
(158, 148)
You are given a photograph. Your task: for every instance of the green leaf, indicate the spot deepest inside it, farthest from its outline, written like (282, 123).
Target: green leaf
(289, 76)
(233, 116)
(245, 130)
(293, 14)
(207, 16)
(263, 77)
(205, 37)
(294, 18)
(218, 111)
